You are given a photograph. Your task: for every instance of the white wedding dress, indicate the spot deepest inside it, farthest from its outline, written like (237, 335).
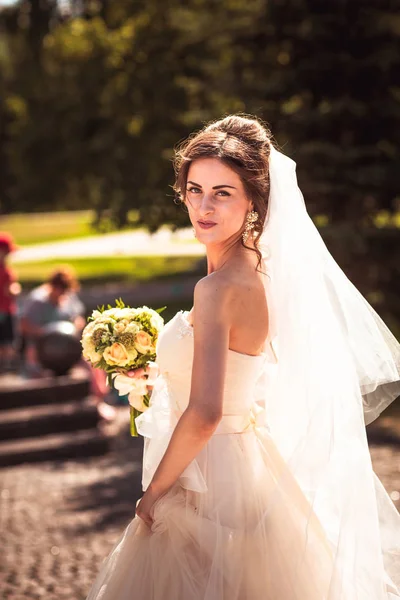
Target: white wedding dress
(236, 525)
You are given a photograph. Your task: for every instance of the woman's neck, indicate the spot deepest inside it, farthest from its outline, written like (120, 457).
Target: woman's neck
(218, 257)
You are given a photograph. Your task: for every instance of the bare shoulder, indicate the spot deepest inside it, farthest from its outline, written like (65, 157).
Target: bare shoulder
(212, 291)
(231, 304)
(212, 300)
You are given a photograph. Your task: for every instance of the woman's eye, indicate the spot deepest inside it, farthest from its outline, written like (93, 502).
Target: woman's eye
(196, 190)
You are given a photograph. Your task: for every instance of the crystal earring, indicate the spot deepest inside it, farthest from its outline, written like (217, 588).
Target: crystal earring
(251, 218)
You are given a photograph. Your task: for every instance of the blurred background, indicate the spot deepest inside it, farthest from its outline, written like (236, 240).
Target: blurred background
(93, 98)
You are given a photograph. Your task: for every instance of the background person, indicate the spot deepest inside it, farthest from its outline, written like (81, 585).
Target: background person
(9, 290)
(55, 300)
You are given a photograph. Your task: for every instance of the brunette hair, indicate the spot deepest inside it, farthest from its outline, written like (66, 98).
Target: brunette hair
(64, 278)
(243, 144)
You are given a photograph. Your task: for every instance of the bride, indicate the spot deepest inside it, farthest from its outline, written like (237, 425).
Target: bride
(257, 478)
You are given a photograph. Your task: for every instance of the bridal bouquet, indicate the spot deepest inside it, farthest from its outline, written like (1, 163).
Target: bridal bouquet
(122, 341)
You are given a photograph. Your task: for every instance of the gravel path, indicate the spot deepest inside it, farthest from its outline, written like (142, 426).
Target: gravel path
(60, 519)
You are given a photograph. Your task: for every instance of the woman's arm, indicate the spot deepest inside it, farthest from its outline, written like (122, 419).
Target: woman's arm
(200, 419)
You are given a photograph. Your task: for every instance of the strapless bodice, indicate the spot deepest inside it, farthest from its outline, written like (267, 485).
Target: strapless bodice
(175, 356)
(245, 380)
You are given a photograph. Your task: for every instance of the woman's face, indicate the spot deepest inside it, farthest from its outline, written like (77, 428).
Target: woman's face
(215, 194)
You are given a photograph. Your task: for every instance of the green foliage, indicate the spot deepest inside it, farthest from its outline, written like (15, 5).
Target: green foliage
(94, 103)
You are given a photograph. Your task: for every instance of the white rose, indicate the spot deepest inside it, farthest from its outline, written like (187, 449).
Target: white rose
(88, 330)
(132, 328)
(126, 313)
(156, 320)
(96, 314)
(104, 321)
(89, 351)
(110, 313)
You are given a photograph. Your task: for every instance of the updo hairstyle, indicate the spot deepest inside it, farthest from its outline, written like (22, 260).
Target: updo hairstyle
(243, 144)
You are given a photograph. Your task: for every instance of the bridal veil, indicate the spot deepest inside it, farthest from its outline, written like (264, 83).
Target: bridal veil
(337, 368)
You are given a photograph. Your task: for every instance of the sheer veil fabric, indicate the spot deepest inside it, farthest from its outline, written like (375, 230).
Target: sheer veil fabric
(337, 367)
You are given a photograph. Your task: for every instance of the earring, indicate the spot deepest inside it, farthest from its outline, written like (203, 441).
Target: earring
(194, 231)
(251, 218)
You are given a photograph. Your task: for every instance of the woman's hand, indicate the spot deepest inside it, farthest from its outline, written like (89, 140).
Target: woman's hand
(145, 505)
(151, 372)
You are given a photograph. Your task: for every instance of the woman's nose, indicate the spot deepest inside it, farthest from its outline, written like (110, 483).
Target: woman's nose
(206, 204)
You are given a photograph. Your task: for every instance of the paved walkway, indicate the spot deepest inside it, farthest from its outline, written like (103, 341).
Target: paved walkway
(59, 520)
(125, 243)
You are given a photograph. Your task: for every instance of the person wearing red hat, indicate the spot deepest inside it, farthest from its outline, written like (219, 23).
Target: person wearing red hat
(9, 289)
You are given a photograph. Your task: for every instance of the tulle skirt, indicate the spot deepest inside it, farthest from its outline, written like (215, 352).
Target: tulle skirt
(253, 535)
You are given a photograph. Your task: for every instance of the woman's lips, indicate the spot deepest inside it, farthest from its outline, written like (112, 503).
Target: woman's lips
(205, 225)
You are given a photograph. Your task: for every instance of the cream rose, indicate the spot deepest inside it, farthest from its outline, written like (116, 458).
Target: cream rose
(132, 328)
(143, 342)
(120, 326)
(117, 355)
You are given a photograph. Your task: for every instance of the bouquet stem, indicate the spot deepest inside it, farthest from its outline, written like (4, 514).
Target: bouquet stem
(133, 414)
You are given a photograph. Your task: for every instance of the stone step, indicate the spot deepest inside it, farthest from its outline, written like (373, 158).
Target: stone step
(48, 418)
(20, 393)
(76, 445)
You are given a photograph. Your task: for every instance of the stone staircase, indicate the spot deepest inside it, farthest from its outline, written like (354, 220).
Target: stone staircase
(49, 418)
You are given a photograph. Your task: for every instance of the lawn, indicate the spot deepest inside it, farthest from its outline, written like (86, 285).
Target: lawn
(122, 269)
(36, 228)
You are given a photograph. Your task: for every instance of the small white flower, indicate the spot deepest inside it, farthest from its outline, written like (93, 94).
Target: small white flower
(122, 383)
(96, 314)
(137, 402)
(156, 321)
(134, 387)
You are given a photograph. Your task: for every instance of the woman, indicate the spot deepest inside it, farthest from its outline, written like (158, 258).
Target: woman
(257, 475)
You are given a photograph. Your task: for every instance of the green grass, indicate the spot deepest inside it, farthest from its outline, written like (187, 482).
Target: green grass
(101, 270)
(37, 228)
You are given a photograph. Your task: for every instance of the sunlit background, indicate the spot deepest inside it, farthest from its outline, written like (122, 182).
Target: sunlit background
(94, 96)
